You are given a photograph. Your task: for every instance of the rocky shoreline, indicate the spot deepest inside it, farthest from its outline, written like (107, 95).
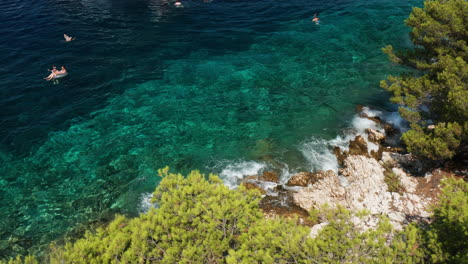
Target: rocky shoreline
(372, 176)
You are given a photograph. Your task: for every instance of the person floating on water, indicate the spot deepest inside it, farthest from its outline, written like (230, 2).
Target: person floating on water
(316, 19)
(56, 74)
(52, 74)
(178, 4)
(68, 38)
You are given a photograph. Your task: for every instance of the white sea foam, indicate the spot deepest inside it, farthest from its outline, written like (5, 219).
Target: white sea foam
(234, 172)
(317, 153)
(394, 119)
(371, 112)
(145, 202)
(286, 173)
(361, 124)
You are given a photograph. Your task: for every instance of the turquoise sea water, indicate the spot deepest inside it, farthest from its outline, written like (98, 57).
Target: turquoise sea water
(224, 87)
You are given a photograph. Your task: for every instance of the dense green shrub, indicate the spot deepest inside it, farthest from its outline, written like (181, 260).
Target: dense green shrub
(447, 236)
(202, 221)
(197, 220)
(435, 103)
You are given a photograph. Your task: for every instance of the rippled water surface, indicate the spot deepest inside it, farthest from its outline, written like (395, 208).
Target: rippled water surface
(228, 87)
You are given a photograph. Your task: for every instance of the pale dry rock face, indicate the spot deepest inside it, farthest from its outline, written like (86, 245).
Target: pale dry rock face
(366, 189)
(315, 230)
(375, 135)
(409, 182)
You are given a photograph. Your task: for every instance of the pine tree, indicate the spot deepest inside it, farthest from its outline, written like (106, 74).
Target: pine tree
(446, 237)
(197, 221)
(435, 103)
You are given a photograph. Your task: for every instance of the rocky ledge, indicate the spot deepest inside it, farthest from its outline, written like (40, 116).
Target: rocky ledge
(380, 182)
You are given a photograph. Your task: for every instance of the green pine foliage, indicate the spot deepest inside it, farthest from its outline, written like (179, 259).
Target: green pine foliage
(448, 234)
(440, 95)
(199, 220)
(26, 260)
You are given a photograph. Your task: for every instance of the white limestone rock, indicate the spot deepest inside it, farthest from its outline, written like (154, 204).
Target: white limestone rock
(366, 189)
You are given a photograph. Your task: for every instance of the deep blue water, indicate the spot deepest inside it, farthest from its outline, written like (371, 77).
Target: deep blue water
(210, 86)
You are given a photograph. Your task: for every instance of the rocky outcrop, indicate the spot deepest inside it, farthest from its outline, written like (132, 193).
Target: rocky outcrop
(270, 176)
(364, 188)
(305, 178)
(375, 136)
(390, 130)
(340, 155)
(358, 146)
(258, 181)
(377, 155)
(282, 203)
(361, 183)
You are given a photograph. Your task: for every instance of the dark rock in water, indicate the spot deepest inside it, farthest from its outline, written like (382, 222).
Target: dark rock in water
(375, 135)
(359, 108)
(254, 181)
(376, 119)
(270, 176)
(358, 146)
(305, 178)
(390, 131)
(283, 205)
(340, 155)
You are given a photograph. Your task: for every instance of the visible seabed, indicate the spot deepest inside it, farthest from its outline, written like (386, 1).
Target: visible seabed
(285, 99)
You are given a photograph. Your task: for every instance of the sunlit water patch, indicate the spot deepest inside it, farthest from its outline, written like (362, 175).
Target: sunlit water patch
(229, 87)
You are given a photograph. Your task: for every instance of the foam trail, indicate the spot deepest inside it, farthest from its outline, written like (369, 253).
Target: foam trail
(234, 172)
(317, 153)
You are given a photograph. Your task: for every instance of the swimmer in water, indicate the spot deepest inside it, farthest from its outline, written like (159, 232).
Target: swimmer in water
(55, 72)
(316, 19)
(178, 4)
(68, 38)
(62, 70)
(52, 74)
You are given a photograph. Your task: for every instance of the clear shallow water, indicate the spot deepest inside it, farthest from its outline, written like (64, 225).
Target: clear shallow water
(228, 87)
